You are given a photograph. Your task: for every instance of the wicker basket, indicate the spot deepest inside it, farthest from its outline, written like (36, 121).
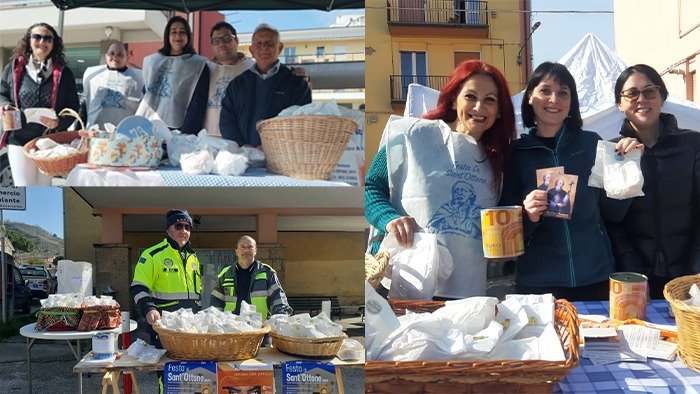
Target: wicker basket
(305, 147)
(59, 166)
(218, 347)
(457, 376)
(687, 319)
(377, 267)
(307, 347)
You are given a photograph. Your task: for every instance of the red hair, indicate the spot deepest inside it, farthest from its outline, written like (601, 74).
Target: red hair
(498, 140)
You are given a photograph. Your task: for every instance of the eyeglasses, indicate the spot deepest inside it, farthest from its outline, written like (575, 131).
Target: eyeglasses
(223, 39)
(39, 37)
(650, 92)
(180, 226)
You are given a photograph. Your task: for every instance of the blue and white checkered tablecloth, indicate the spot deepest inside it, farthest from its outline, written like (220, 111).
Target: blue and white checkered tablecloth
(253, 177)
(654, 376)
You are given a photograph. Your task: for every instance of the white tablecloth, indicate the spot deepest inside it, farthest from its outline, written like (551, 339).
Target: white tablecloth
(86, 175)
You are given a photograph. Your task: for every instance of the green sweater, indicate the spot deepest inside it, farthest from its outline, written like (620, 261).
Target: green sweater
(378, 208)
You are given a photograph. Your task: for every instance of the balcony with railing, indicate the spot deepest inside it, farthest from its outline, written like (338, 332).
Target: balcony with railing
(325, 58)
(331, 71)
(399, 84)
(423, 17)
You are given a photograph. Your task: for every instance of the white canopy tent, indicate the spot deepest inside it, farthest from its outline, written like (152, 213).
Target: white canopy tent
(595, 68)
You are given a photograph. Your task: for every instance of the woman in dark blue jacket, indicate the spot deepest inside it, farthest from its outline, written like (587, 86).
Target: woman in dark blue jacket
(573, 258)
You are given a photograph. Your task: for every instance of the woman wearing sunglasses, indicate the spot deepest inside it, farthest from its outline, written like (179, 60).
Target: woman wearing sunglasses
(37, 77)
(176, 81)
(660, 234)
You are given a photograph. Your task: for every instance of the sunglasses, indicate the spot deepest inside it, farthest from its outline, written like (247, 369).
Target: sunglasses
(650, 92)
(39, 37)
(180, 226)
(223, 39)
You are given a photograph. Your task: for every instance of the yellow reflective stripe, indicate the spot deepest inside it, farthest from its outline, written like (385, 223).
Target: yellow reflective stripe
(223, 271)
(260, 305)
(261, 275)
(258, 293)
(167, 304)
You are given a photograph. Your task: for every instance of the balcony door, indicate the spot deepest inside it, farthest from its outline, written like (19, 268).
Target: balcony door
(412, 11)
(414, 69)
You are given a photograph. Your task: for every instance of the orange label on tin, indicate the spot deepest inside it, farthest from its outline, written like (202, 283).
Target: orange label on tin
(502, 232)
(628, 299)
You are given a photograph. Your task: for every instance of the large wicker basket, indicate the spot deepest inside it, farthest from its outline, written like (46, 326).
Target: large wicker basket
(457, 376)
(219, 347)
(687, 319)
(307, 347)
(59, 166)
(305, 147)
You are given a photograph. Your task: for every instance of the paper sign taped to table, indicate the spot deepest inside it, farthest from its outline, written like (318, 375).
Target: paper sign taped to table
(186, 377)
(300, 377)
(351, 167)
(245, 377)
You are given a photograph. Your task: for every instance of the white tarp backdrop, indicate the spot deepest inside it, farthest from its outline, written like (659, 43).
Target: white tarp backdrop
(595, 68)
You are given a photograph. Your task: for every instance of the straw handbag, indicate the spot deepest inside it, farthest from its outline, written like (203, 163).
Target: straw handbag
(60, 166)
(687, 319)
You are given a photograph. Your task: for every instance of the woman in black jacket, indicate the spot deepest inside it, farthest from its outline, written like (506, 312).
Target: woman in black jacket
(37, 77)
(660, 234)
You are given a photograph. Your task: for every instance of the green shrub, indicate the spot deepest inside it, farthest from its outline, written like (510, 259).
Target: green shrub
(12, 326)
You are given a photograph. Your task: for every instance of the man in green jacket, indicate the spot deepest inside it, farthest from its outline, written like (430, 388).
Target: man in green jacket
(251, 281)
(167, 276)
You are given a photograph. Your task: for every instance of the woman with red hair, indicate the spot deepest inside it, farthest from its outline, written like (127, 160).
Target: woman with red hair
(435, 174)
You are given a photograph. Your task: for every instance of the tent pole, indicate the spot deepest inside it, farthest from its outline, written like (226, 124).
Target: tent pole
(60, 23)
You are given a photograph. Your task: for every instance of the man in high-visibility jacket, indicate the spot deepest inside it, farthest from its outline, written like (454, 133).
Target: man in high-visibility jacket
(167, 276)
(251, 281)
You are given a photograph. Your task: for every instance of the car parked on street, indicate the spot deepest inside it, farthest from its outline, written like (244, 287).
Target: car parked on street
(22, 296)
(39, 280)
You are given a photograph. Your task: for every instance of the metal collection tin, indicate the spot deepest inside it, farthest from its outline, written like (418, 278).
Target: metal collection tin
(11, 120)
(628, 296)
(502, 231)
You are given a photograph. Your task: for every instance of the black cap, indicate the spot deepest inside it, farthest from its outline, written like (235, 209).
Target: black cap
(177, 215)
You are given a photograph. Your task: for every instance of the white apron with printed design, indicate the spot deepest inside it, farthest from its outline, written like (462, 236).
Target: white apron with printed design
(220, 75)
(111, 95)
(441, 178)
(170, 82)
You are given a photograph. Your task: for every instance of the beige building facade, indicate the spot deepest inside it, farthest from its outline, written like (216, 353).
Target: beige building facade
(665, 35)
(314, 238)
(414, 41)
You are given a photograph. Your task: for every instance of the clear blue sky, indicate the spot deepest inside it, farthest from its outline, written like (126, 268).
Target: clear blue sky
(559, 32)
(44, 209)
(245, 21)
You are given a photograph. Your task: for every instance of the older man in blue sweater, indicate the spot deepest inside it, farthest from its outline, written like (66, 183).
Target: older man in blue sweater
(260, 92)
